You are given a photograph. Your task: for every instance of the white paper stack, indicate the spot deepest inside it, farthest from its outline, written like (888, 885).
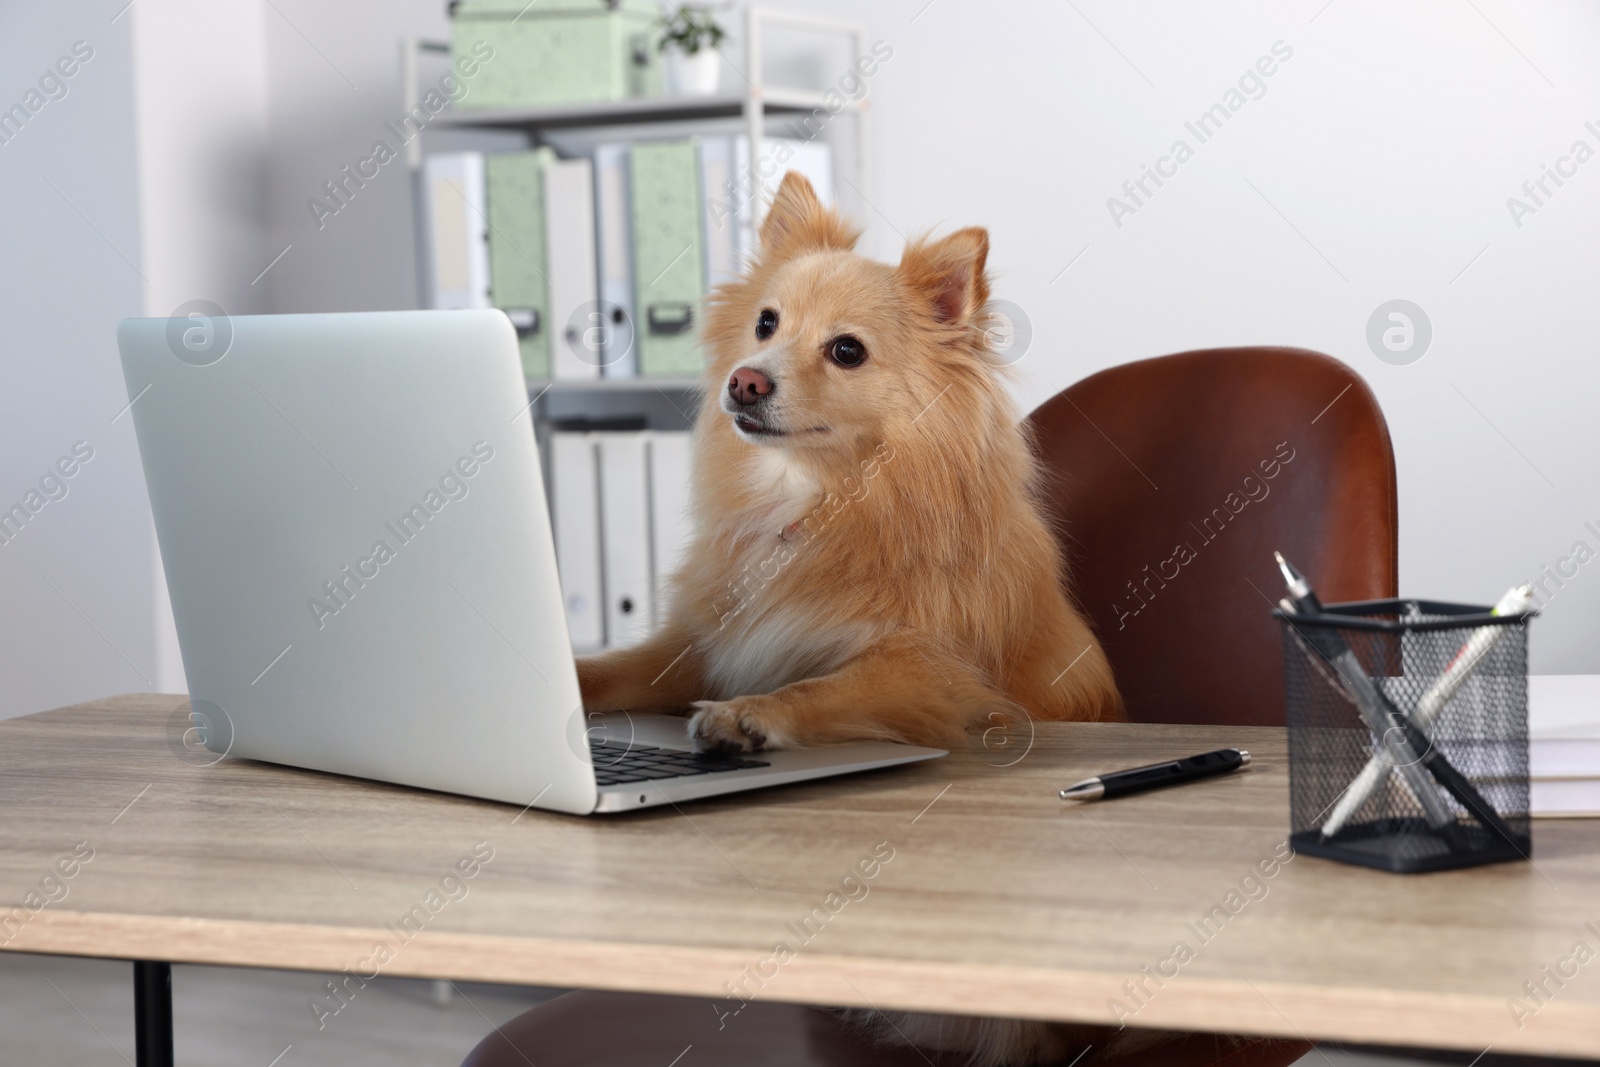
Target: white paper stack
(1564, 745)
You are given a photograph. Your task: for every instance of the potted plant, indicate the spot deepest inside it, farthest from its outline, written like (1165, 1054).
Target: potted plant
(689, 40)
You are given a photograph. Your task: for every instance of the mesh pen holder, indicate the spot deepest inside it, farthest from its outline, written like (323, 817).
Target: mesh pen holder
(1468, 752)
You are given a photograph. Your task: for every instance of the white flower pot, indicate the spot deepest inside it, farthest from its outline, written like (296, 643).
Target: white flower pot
(695, 75)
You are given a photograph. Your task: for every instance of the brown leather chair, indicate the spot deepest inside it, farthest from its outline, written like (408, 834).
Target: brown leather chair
(1161, 496)
(630, 1030)
(1231, 453)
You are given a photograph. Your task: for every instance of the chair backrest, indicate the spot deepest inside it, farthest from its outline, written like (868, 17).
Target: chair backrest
(1170, 482)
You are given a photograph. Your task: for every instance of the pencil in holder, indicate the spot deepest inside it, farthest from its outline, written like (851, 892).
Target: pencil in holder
(1408, 734)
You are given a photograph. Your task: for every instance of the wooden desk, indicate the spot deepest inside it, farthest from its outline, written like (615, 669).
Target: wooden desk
(999, 899)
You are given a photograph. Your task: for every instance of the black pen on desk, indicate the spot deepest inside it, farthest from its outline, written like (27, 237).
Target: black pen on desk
(1157, 775)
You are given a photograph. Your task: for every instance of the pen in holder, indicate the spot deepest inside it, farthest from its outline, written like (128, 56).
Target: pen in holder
(1408, 733)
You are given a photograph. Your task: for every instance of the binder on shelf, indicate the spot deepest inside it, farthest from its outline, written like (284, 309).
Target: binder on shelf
(453, 188)
(814, 161)
(569, 246)
(516, 243)
(719, 199)
(668, 263)
(624, 538)
(574, 491)
(613, 244)
(733, 206)
(670, 525)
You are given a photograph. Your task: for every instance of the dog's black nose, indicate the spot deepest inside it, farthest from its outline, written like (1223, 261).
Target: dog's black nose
(748, 385)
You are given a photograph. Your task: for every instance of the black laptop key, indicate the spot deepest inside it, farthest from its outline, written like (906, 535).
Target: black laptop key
(645, 773)
(618, 778)
(616, 763)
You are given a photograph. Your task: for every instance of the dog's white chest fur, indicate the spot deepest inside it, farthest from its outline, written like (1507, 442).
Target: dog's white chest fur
(764, 640)
(772, 646)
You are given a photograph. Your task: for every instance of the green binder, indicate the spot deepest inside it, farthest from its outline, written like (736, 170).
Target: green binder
(668, 255)
(515, 182)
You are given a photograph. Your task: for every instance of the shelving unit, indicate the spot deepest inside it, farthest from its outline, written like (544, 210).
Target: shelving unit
(656, 403)
(754, 106)
(612, 385)
(615, 112)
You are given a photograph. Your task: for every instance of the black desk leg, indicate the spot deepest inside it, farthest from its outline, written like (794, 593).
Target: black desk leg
(152, 1013)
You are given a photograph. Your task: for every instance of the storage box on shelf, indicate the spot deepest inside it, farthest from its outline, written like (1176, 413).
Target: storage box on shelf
(569, 52)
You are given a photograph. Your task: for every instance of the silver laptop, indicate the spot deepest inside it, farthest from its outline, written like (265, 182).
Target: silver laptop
(353, 526)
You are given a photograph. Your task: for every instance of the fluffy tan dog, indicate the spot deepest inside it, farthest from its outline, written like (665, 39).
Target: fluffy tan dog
(868, 561)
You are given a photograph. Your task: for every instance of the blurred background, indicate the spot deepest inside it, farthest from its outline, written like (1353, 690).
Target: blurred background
(1383, 159)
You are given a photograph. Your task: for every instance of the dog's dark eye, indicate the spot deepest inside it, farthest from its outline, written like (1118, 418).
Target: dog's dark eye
(847, 351)
(766, 324)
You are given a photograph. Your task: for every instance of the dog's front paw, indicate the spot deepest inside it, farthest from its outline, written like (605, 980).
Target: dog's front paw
(733, 726)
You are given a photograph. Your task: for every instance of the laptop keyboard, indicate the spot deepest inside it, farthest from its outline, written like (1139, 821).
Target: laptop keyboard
(616, 764)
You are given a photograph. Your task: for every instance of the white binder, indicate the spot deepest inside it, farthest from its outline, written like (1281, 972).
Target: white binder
(625, 536)
(613, 243)
(570, 255)
(719, 200)
(574, 490)
(813, 159)
(455, 205)
(670, 525)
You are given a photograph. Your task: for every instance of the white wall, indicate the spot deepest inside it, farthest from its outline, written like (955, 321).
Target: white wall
(76, 584)
(335, 80)
(200, 96)
(1391, 141)
(200, 100)
(139, 190)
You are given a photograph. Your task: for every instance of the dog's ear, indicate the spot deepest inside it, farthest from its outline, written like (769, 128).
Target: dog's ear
(950, 272)
(798, 222)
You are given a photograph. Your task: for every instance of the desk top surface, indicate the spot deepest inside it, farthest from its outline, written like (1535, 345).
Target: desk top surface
(960, 885)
